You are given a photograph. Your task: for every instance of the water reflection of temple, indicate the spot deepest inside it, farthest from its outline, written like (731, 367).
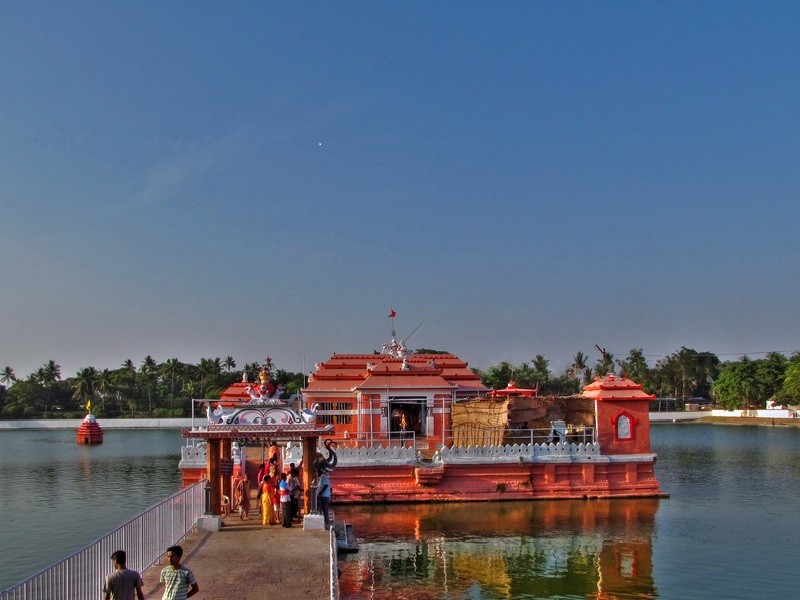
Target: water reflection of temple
(600, 549)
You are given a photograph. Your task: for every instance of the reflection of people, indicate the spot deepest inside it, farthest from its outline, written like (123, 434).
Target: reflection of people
(123, 583)
(179, 582)
(324, 495)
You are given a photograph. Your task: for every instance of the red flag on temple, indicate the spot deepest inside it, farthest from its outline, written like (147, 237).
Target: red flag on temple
(392, 314)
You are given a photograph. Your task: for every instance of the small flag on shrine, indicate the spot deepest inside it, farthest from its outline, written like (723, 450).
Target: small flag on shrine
(392, 314)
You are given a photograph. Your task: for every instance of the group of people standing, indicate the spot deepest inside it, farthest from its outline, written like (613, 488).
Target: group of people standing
(279, 496)
(279, 493)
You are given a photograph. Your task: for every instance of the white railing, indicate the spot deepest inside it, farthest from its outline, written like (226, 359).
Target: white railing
(559, 442)
(144, 538)
(512, 453)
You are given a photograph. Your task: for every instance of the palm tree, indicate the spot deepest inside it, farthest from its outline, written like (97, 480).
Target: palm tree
(148, 370)
(103, 384)
(170, 369)
(51, 372)
(7, 376)
(541, 366)
(578, 365)
(229, 363)
(37, 376)
(605, 364)
(268, 365)
(190, 389)
(205, 369)
(251, 368)
(84, 384)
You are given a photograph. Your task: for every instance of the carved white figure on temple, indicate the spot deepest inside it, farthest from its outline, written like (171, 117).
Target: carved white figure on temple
(309, 416)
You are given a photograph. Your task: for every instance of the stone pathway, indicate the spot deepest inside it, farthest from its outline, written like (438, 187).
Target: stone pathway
(245, 561)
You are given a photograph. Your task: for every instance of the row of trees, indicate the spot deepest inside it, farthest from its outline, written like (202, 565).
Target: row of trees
(150, 389)
(163, 389)
(685, 374)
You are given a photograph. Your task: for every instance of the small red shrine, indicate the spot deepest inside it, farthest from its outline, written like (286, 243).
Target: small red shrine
(89, 431)
(623, 414)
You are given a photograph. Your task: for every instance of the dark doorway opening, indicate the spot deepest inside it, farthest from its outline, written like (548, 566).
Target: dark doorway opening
(407, 418)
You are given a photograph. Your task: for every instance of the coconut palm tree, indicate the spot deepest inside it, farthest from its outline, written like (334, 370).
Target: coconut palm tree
(7, 376)
(84, 384)
(229, 363)
(148, 371)
(207, 369)
(605, 364)
(170, 369)
(37, 376)
(104, 384)
(51, 372)
(541, 368)
(578, 365)
(190, 389)
(251, 368)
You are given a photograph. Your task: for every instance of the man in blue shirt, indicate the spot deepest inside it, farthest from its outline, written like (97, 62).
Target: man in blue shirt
(324, 495)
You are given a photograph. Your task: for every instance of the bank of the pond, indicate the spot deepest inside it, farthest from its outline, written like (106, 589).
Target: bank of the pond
(185, 423)
(761, 421)
(104, 423)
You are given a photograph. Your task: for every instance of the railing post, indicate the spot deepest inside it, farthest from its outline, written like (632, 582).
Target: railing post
(312, 489)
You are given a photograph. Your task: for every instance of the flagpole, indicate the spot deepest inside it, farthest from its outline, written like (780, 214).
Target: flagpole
(392, 315)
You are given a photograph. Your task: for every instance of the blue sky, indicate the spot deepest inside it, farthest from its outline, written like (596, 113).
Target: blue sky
(189, 179)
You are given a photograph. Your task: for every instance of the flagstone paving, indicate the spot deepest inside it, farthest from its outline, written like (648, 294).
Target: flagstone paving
(245, 561)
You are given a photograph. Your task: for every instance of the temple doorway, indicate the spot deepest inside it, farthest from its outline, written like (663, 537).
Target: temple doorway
(407, 417)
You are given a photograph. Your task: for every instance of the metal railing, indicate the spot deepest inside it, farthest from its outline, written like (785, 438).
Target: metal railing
(558, 432)
(572, 434)
(144, 538)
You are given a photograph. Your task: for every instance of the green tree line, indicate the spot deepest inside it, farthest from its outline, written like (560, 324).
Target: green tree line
(685, 374)
(149, 389)
(154, 389)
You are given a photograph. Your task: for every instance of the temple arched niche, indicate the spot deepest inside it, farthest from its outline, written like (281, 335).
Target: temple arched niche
(624, 424)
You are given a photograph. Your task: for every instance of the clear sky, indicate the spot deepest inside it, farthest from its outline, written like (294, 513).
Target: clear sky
(190, 179)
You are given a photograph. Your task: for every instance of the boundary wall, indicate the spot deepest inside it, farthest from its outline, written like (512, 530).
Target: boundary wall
(182, 423)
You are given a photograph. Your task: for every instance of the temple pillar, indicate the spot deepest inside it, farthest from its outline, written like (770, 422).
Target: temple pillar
(213, 474)
(309, 454)
(225, 450)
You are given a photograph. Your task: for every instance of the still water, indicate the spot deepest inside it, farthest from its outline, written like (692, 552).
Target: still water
(57, 497)
(728, 531)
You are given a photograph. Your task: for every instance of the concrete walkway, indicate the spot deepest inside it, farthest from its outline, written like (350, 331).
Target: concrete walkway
(245, 561)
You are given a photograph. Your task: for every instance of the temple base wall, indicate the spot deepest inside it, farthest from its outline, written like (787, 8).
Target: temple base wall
(484, 482)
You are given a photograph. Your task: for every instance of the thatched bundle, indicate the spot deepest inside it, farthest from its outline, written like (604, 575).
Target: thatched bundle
(487, 421)
(479, 422)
